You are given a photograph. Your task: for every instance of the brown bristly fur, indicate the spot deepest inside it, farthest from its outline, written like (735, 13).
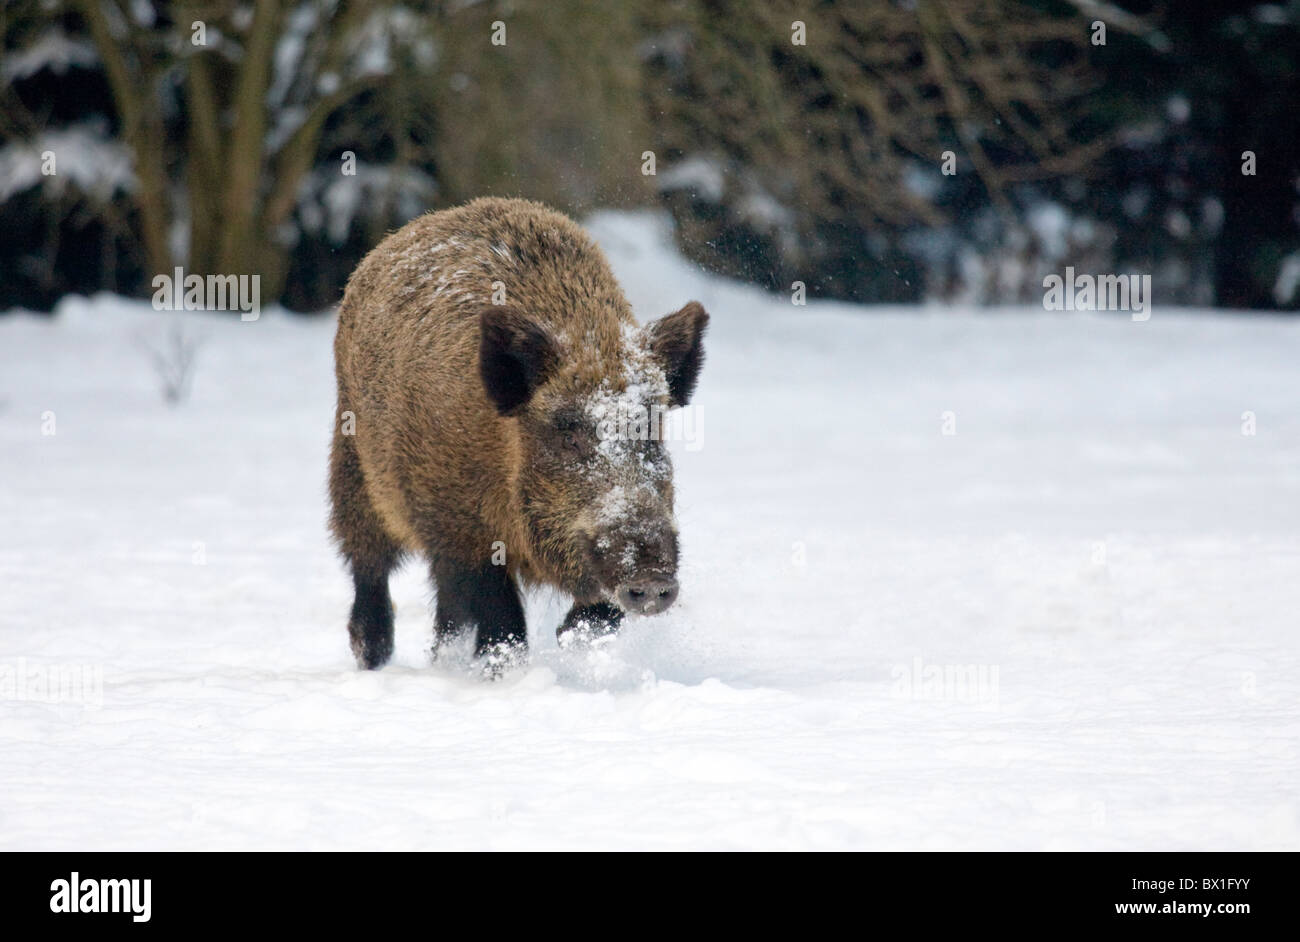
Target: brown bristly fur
(433, 466)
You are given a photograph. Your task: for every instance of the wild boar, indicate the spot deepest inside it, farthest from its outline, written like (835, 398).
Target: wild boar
(484, 355)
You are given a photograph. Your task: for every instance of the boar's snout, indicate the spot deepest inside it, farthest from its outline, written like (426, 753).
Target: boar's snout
(635, 565)
(648, 595)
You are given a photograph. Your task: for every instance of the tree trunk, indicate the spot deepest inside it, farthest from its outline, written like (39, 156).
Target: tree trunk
(242, 249)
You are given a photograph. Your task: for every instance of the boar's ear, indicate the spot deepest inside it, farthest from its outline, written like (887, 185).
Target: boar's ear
(677, 342)
(515, 356)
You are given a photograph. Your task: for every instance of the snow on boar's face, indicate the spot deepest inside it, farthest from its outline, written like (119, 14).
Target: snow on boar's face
(590, 474)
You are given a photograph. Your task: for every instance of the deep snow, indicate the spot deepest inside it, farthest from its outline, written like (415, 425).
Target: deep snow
(1114, 560)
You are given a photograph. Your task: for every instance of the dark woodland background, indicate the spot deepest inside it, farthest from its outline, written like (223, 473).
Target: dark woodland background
(819, 162)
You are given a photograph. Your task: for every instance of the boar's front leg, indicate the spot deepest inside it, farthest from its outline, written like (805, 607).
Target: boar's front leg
(485, 598)
(589, 621)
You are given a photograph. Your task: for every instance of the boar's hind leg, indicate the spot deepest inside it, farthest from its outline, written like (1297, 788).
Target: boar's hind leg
(370, 552)
(371, 623)
(485, 598)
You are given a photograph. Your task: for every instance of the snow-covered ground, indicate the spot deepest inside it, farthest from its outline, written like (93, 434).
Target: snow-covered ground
(1071, 623)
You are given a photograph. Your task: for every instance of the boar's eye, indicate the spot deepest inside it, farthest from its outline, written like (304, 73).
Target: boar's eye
(570, 433)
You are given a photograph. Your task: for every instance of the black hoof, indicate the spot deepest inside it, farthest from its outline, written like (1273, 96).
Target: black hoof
(500, 658)
(589, 622)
